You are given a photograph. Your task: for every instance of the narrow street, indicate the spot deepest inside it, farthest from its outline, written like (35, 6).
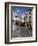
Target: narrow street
(19, 31)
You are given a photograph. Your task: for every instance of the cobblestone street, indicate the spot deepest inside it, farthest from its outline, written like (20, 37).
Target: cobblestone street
(19, 31)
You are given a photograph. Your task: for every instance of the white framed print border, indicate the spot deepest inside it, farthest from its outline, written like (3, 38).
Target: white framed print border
(20, 22)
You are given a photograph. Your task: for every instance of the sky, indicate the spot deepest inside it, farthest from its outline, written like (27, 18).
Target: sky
(20, 10)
